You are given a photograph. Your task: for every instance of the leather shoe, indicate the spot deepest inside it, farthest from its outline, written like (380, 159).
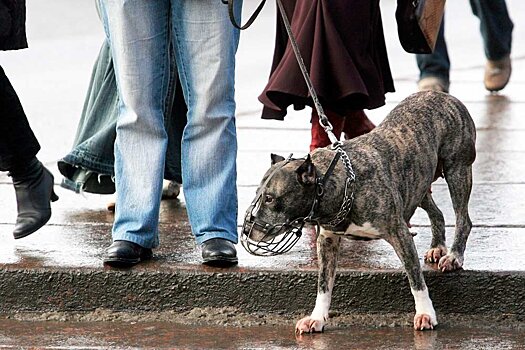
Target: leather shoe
(497, 74)
(34, 192)
(431, 83)
(126, 254)
(219, 252)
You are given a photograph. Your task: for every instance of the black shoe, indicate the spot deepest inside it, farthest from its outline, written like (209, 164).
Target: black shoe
(34, 192)
(126, 254)
(219, 252)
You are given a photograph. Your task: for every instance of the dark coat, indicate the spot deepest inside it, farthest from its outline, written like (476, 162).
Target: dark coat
(12, 24)
(343, 47)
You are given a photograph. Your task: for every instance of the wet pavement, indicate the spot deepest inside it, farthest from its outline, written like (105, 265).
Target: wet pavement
(58, 269)
(154, 335)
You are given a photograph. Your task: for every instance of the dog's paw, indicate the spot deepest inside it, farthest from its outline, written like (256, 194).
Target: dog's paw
(309, 325)
(433, 255)
(450, 262)
(423, 322)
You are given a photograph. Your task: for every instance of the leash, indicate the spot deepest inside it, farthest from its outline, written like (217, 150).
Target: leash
(250, 21)
(323, 119)
(325, 123)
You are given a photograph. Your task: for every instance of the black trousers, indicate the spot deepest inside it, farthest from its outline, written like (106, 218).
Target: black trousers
(18, 144)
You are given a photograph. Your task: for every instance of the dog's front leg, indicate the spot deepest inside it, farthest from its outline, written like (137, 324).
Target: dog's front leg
(405, 248)
(459, 180)
(327, 251)
(438, 247)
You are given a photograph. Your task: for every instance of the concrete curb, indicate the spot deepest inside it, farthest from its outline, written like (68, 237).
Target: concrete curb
(48, 290)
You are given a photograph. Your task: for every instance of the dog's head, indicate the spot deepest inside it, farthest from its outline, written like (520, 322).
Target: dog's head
(285, 197)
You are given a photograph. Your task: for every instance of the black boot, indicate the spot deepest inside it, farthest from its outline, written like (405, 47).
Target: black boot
(34, 191)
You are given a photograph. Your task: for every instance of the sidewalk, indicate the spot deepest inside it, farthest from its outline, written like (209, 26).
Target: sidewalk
(59, 269)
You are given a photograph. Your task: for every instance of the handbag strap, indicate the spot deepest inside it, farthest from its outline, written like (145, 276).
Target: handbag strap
(250, 21)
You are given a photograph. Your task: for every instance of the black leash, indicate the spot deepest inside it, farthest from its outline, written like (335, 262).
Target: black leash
(323, 120)
(320, 182)
(236, 24)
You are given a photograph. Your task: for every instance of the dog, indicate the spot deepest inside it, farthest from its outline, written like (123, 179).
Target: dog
(426, 136)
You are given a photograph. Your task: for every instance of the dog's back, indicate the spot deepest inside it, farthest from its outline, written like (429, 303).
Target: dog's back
(434, 119)
(426, 134)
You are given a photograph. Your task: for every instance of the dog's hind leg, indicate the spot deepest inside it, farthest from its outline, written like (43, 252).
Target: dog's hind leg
(405, 248)
(327, 251)
(459, 180)
(438, 247)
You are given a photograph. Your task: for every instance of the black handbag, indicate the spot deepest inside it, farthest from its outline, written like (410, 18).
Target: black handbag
(418, 23)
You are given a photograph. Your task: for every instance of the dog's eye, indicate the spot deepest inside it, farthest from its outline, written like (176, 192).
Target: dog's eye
(268, 199)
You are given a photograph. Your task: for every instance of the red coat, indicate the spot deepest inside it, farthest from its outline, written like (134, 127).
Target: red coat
(343, 47)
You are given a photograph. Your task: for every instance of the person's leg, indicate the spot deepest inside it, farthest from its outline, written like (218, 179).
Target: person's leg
(88, 167)
(319, 137)
(138, 32)
(205, 47)
(18, 148)
(434, 68)
(357, 124)
(18, 144)
(496, 31)
(175, 123)
(495, 27)
(353, 125)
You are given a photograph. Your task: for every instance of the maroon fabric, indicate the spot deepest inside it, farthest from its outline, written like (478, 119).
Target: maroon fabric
(354, 124)
(343, 47)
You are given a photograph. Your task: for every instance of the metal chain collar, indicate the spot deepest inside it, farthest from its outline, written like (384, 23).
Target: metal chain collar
(348, 200)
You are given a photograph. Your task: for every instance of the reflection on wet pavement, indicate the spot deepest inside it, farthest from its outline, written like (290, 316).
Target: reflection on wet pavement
(118, 335)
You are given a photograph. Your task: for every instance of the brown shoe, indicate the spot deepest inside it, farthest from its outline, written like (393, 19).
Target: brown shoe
(497, 74)
(433, 84)
(111, 204)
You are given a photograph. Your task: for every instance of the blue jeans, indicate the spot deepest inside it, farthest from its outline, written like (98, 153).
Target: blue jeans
(205, 44)
(496, 31)
(88, 167)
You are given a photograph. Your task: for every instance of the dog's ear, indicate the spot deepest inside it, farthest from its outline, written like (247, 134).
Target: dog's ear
(276, 158)
(306, 172)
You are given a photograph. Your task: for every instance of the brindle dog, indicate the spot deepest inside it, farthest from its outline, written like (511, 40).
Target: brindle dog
(428, 135)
